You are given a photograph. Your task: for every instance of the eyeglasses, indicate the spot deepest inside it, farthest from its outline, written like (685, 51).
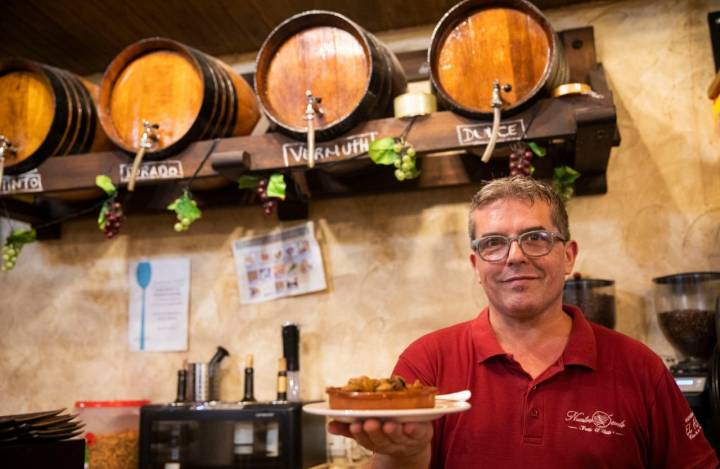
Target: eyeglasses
(533, 244)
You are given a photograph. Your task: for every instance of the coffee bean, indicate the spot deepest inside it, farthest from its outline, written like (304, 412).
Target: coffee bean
(690, 331)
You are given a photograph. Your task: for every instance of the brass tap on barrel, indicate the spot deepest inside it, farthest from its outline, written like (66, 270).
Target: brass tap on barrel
(6, 146)
(496, 103)
(311, 110)
(147, 140)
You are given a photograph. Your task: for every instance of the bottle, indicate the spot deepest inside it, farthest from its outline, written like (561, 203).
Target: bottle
(249, 378)
(282, 380)
(291, 342)
(181, 386)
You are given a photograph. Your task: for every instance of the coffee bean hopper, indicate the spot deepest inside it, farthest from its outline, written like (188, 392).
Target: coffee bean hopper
(595, 297)
(686, 307)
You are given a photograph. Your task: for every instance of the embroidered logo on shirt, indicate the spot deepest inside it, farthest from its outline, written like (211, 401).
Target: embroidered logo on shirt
(598, 422)
(692, 426)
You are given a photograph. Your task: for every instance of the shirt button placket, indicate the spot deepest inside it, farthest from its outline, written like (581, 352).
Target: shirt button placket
(534, 421)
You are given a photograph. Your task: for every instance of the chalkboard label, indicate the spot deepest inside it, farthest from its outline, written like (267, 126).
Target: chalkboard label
(479, 134)
(153, 170)
(350, 146)
(22, 183)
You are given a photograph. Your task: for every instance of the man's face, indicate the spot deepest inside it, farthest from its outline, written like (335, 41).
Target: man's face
(520, 286)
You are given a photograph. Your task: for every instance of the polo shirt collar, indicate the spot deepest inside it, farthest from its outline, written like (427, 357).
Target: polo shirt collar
(581, 348)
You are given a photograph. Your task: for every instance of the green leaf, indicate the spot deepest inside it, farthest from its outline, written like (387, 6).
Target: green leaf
(276, 186)
(382, 151)
(537, 149)
(102, 216)
(105, 183)
(19, 237)
(185, 207)
(565, 175)
(248, 181)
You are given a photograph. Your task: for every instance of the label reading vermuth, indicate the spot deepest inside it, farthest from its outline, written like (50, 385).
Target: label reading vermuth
(352, 145)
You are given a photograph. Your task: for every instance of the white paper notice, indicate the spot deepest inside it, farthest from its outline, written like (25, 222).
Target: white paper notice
(282, 263)
(159, 297)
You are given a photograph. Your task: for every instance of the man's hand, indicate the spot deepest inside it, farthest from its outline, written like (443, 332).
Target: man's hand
(395, 444)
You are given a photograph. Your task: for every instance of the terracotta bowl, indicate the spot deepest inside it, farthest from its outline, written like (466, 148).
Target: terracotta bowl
(422, 398)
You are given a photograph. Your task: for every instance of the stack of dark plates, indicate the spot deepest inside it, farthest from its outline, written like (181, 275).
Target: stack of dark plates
(51, 425)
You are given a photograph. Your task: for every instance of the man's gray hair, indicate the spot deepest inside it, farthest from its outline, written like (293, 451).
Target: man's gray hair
(522, 188)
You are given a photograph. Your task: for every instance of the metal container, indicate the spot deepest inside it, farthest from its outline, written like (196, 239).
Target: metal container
(198, 382)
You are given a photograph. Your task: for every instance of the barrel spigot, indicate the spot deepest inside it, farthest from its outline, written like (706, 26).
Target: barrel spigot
(312, 109)
(148, 138)
(496, 104)
(6, 147)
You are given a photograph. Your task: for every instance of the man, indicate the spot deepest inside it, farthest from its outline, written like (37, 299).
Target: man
(549, 389)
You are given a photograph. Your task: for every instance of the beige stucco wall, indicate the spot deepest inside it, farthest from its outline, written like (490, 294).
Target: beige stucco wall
(396, 264)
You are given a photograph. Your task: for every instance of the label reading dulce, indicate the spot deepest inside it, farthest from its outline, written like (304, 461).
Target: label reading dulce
(477, 134)
(351, 145)
(22, 183)
(153, 170)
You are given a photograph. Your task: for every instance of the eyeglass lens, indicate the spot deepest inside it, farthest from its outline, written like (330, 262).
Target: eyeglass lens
(533, 243)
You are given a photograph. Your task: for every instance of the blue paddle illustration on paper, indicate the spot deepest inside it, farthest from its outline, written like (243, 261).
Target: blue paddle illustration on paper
(143, 274)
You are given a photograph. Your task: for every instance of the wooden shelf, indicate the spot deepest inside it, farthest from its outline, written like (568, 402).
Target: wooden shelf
(576, 130)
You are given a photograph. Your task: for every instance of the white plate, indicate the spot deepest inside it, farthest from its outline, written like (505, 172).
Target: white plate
(403, 415)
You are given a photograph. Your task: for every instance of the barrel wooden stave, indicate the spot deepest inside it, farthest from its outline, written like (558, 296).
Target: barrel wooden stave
(334, 58)
(479, 41)
(190, 95)
(27, 111)
(47, 112)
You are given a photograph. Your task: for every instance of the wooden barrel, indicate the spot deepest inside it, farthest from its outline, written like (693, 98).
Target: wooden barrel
(46, 111)
(479, 41)
(190, 95)
(354, 74)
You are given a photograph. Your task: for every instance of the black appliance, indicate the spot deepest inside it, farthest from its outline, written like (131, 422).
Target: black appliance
(230, 436)
(687, 305)
(66, 454)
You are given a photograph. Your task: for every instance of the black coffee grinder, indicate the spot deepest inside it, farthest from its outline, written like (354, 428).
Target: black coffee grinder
(685, 305)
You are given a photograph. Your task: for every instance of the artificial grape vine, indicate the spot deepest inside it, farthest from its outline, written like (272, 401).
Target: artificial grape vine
(111, 218)
(521, 161)
(269, 190)
(186, 211)
(111, 213)
(13, 245)
(397, 152)
(268, 204)
(564, 178)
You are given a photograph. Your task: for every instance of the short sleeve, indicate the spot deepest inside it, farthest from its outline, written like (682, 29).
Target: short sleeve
(676, 438)
(417, 362)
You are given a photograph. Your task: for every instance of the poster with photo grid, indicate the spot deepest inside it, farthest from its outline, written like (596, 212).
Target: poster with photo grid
(283, 263)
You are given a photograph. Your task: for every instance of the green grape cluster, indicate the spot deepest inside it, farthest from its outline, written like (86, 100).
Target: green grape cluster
(405, 167)
(183, 224)
(10, 253)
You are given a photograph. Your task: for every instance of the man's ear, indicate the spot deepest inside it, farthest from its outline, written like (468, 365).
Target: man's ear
(571, 252)
(474, 261)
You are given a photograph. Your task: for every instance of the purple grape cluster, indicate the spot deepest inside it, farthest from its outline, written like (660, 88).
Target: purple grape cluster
(268, 204)
(520, 162)
(113, 220)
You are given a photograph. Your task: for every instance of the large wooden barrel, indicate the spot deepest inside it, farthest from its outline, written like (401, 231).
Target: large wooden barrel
(190, 95)
(46, 111)
(354, 74)
(479, 41)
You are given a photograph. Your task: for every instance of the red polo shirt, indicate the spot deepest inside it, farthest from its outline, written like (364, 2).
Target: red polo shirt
(608, 402)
